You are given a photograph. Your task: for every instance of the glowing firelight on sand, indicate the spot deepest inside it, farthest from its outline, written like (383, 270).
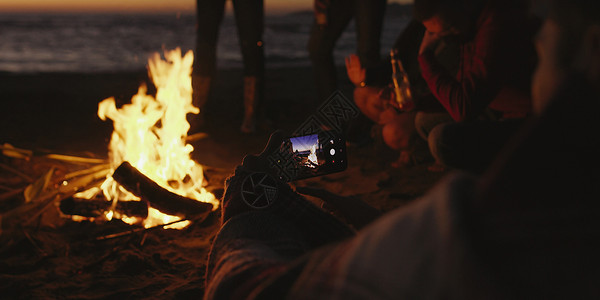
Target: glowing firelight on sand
(151, 132)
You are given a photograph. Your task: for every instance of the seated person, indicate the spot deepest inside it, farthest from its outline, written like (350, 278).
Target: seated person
(373, 93)
(527, 229)
(487, 99)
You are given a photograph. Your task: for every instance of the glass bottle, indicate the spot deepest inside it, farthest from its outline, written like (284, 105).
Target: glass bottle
(401, 83)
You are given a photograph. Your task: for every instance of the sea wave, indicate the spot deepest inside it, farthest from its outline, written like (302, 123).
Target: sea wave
(124, 42)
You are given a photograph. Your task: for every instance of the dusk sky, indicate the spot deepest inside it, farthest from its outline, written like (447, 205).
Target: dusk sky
(271, 6)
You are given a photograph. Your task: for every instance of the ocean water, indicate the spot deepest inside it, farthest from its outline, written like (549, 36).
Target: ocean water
(93, 43)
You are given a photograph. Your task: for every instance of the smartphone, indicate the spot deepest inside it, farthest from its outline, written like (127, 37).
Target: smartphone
(311, 155)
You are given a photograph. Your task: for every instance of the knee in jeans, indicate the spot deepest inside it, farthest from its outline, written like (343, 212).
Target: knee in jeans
(438, 145)
(420, 125)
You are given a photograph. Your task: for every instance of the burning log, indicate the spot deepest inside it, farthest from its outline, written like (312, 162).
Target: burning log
(97, 207)
(156, 196)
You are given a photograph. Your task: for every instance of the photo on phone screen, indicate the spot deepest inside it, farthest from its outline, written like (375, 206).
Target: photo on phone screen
(315, 155)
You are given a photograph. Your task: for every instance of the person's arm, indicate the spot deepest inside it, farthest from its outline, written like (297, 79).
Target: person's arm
(377, 75)
(466, 97)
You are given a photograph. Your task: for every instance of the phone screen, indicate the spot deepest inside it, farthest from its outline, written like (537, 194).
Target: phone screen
(314, 155)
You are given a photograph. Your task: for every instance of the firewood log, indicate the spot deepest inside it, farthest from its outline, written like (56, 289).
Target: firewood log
(97, 207)
(158, 197)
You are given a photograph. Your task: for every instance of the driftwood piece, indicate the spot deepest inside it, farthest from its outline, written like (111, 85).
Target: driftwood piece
(11, 151)
(26, 213)
(156, 196)
(136, 230)
(97, 207)
(87, 171)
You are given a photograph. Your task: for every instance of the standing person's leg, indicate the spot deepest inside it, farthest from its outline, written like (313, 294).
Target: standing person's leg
(209, 14)
(369, 22)
(368, 15)
(249, 17)
(321, 43)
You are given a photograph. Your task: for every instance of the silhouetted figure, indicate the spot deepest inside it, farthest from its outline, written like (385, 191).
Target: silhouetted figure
(487, 99)
(249, 17)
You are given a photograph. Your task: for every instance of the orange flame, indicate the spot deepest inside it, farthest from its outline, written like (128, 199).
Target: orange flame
(151, 132)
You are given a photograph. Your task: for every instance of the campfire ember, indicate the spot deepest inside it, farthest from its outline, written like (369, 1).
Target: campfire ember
(150, 134)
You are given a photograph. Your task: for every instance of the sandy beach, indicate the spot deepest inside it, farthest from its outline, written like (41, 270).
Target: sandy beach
(57, 112)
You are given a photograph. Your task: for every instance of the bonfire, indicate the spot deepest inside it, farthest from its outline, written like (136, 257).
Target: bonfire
(150, 133)
(148, 160)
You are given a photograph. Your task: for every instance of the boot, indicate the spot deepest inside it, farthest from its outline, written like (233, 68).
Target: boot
(252, 96)
(200, 93)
